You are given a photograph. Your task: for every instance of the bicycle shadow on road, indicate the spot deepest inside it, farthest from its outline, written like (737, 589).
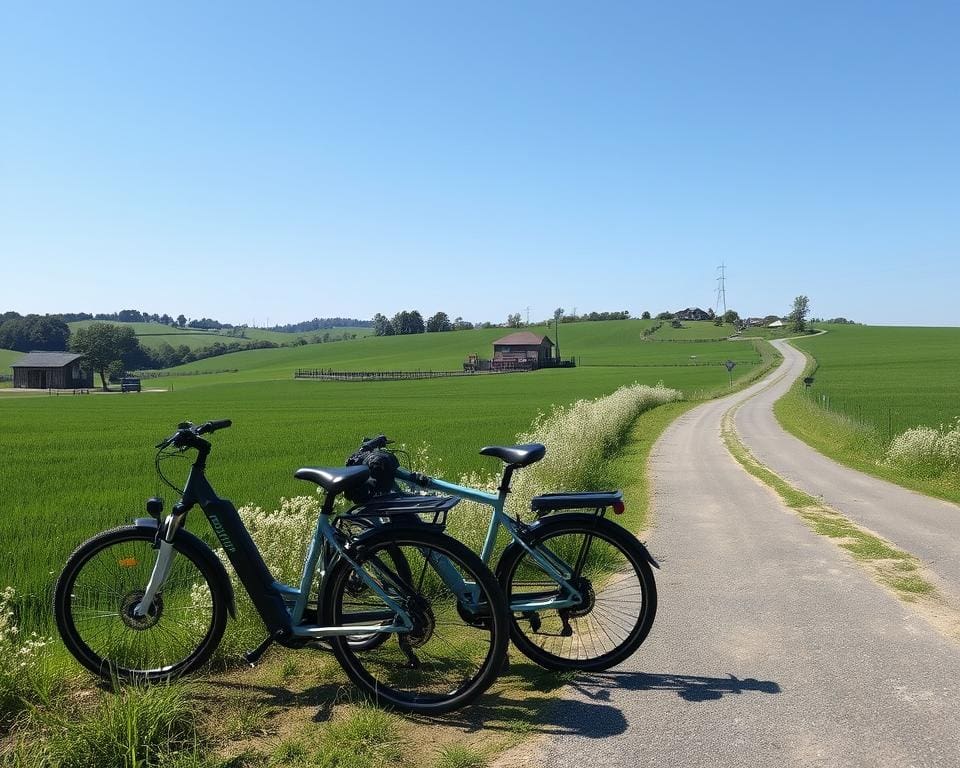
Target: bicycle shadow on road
(694, 688)
(524, 701)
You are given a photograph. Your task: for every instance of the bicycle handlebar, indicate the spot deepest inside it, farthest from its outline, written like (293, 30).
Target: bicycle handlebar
(187, 431)
(213, 426)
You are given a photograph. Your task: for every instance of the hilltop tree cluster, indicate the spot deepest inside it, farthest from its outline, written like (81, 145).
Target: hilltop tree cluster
(407, 322)
(207, 323)
(123, 316)
(595, 316)
(33, 332)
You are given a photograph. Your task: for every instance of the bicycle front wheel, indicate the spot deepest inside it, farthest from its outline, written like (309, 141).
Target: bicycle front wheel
(102, 583)
(460, 633)
(607, 566)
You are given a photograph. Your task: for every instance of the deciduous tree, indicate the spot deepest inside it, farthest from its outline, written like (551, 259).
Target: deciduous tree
(439, 323)
(104, 344)
(798, 315)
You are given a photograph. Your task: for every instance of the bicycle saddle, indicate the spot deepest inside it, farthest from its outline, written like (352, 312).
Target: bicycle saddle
(519, 455)
(334, 479)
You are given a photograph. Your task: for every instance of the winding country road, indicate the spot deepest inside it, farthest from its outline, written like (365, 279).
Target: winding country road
(925, 527)
(771, 646)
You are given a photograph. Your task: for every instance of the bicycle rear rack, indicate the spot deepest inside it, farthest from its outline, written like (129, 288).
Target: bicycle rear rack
(397, 507)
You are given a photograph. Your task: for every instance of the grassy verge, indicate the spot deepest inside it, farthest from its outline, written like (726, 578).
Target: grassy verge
(893, 568)
(628, 468)
(854, 444)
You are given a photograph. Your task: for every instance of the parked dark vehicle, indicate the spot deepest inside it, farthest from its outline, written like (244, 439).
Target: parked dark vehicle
(130, 384)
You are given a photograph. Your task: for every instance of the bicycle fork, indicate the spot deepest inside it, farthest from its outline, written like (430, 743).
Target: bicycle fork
(162, 565)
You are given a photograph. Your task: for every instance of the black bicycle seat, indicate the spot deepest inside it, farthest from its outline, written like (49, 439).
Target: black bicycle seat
(334, 479)
(518, 455)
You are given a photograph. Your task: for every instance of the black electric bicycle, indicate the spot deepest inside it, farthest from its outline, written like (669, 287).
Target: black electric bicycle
(150, 601)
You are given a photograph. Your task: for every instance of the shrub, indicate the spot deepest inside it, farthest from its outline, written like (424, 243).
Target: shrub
(928, 451)
(581, 438)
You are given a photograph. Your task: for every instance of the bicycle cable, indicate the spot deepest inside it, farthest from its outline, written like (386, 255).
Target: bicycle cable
(162, 455)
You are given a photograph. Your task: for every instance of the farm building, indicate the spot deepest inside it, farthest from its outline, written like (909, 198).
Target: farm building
(522, 350)
(51, 370)
(693, 313)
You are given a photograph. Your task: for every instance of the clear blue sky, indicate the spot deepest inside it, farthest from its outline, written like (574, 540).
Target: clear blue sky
(289, 160)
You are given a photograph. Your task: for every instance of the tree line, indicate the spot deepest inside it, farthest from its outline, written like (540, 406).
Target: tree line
(407, 322)
(207, 323)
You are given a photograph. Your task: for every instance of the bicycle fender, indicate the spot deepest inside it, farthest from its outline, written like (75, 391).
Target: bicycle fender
(376, 531)
(188, 541)
(560, 520)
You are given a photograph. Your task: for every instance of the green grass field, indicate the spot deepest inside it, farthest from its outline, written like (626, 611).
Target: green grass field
(888, 378)
(7, 357)
(612, 343)
(152, 335)
(76, 465)
(871, 384)
(692, 330)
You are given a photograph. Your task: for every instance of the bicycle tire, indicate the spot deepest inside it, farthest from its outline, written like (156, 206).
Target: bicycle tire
(379, 672)
(134, 558)
(588, 646)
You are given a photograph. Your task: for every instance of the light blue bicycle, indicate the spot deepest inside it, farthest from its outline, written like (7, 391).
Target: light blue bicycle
(580, 587)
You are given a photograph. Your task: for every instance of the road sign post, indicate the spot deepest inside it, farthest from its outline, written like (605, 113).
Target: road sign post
(730, 365)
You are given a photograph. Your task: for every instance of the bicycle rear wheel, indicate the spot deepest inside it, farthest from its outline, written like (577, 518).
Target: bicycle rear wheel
(457, 643)
(608, 566)
(103, 582)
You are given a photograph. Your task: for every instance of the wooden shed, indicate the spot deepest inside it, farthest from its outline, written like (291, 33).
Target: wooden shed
(51, 370)
(522, 350)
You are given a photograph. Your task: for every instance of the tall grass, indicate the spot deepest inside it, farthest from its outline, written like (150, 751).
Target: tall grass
(25, 668)
(135, 728)
(927, 451)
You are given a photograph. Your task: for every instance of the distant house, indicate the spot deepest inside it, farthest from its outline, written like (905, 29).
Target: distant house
(776, 324)
(523, 350)
(693, 313)
(754, 321)
(51, 370)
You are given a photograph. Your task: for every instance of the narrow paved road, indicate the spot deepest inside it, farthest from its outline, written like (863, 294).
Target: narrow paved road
(771, 647)
(925, 527)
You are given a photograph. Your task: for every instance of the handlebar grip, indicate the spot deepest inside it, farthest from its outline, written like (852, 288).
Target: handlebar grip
(373, 443)
(213, 426)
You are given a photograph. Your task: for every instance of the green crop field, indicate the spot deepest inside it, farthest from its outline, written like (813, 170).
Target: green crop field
(152, 335)
(887, 377)
(75, 465)
(871, 385)
(691, 330)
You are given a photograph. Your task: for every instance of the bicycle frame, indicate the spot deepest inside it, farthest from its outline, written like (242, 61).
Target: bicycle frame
(281, 606)
(555, 568)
